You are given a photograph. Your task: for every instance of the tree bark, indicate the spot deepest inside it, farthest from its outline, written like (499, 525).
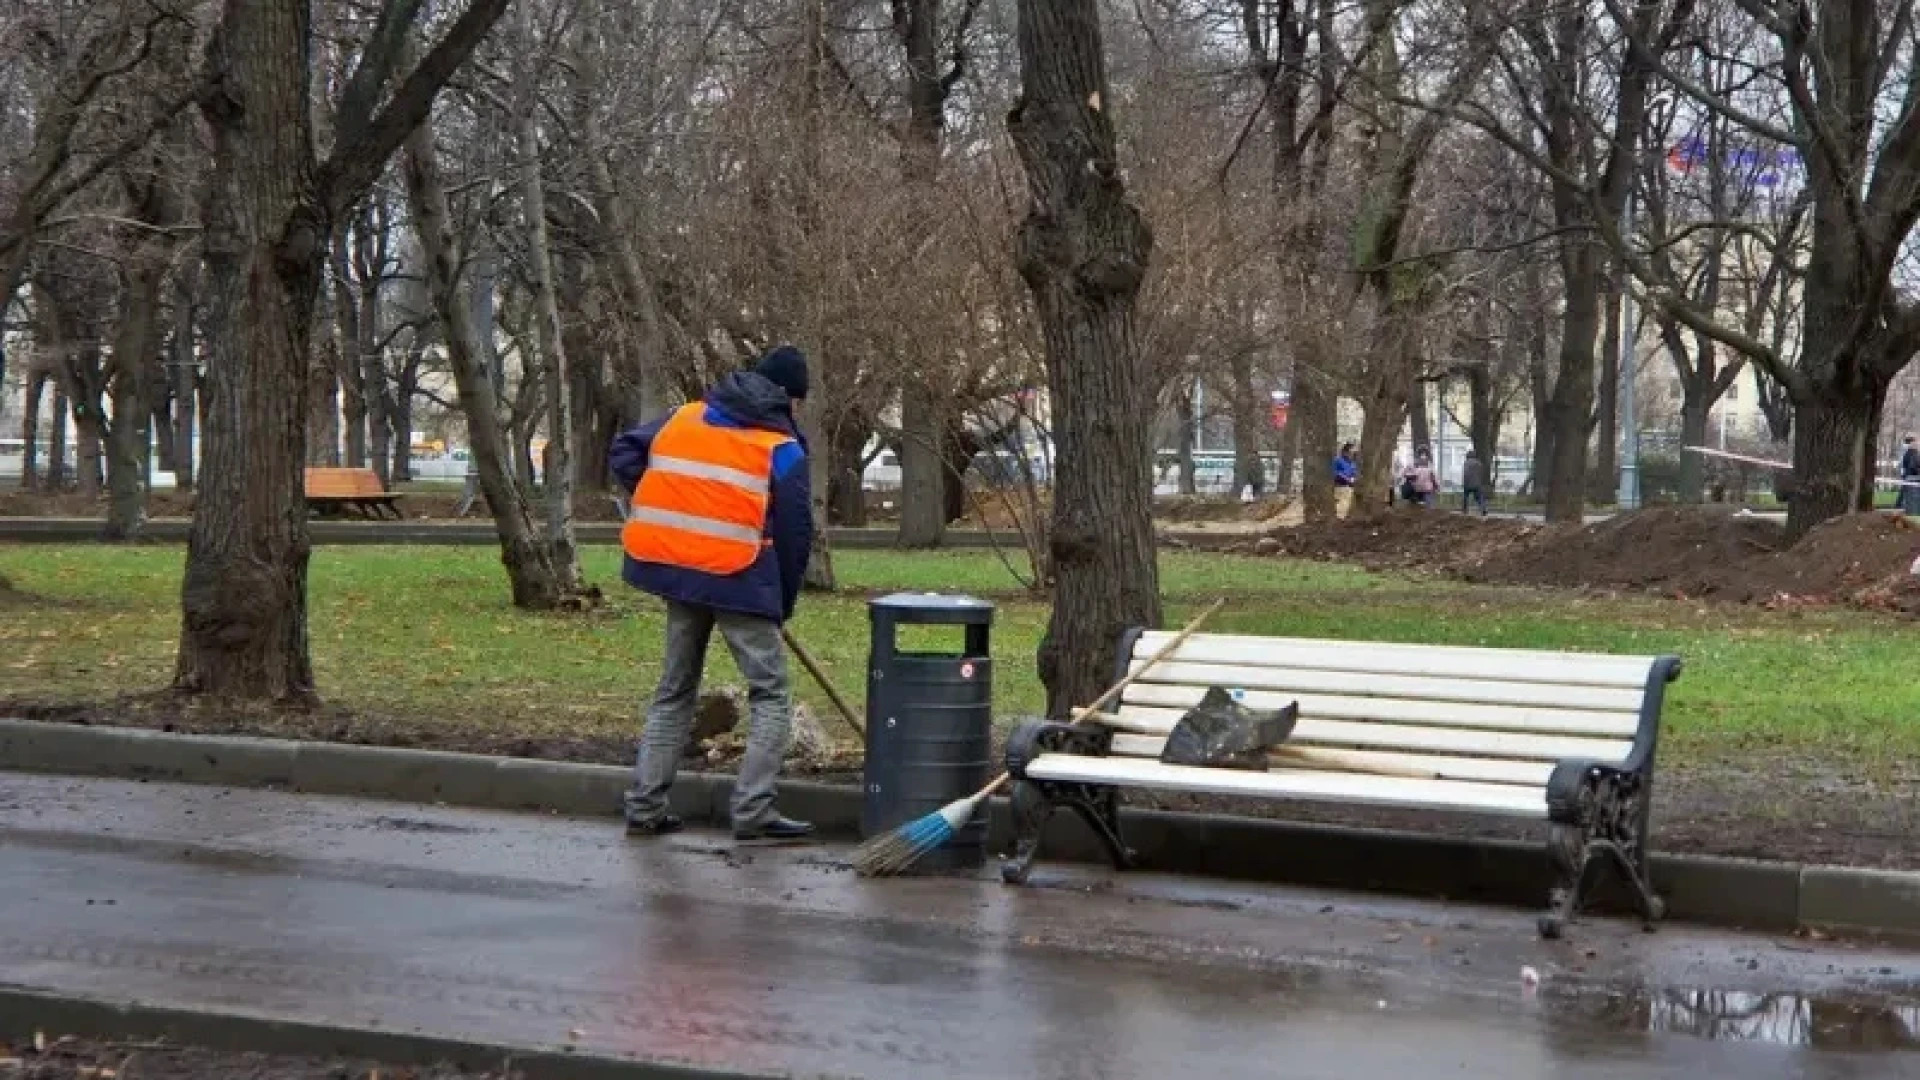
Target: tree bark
(351, 375)
(57, 475)
(1419, 420)
(376, 394)
(1083, 250)
(558, 477)
(1249, 416)
(183, 367)
(846, 495)
(244, 596)
(1188, 437)
(1603, 482)
(133, 345)
(923, 519)
(1570, 405)
(530, 574)
(1315, 409)
(323, 398)
(1694, 414)
(37, 380)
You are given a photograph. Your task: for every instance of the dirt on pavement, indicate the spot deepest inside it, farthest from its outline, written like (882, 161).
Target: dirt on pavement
(50, 1057)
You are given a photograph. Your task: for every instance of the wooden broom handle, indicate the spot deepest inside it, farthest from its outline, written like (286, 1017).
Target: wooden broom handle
(1159, 654)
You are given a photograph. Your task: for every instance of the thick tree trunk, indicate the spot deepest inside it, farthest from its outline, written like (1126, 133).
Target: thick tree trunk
(1083, 250)
(1419, 419)
(923, 484)
(1382, 416)
(530, 573)
(1315, 411)
(1570, 408)
(1483, 425)
(1830, 443)
(1694, 413)
(244, 596)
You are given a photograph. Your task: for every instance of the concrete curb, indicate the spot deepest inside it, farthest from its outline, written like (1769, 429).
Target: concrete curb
(24, 1011)
(1730, 892)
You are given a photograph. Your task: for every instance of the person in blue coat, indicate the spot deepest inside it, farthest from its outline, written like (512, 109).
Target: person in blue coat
(1346, 467)
(747, 605)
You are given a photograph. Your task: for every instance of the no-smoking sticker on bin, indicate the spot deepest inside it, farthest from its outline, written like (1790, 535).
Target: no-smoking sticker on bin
(966, 671)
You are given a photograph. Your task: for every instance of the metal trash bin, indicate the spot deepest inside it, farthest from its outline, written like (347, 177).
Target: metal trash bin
(929, 721)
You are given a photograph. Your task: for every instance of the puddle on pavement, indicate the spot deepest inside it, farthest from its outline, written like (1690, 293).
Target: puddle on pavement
(1822, 1023)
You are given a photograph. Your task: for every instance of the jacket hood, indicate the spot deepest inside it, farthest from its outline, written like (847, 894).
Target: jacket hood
(753, 400)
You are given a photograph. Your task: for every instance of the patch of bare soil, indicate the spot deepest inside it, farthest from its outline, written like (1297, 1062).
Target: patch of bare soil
(1191, 509)
(46, 1057)
(1862, 560)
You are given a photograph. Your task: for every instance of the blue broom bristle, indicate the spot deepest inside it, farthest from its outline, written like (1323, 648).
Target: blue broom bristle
(928, 833)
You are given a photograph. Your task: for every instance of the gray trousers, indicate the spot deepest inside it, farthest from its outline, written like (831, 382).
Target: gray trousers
(762, 659)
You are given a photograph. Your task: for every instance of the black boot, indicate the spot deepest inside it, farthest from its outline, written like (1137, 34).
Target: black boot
(777, 827)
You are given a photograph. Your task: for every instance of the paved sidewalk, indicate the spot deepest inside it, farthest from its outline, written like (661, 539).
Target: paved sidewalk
(532, 931)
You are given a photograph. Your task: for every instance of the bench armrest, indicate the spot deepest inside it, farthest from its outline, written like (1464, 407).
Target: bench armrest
(1032, 738)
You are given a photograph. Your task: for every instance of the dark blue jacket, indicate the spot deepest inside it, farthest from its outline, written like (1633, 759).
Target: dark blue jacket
(1345, 471)
(770, 586)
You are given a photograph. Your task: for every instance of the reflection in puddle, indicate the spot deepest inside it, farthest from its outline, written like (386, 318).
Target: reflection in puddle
(1782, 1019)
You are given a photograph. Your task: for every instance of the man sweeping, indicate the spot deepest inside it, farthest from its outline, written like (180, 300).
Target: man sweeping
(719, 526)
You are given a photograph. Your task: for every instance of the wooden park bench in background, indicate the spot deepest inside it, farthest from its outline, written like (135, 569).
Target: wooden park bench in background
(1565, 739)
(330, 491)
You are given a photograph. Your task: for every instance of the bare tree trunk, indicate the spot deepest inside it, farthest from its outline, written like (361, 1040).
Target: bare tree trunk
(1315, 410)
(1189, 435)
(37, 380)
(376, 395)
(1570, 407)
(1249, 417)
(57, 478)
(323, 397)
(846, 495)
(347, 333)
(1420, 420)
(1604, 483)
(558, 477)
(922, 465)
(1083, 250)
(184, 368)
(1693, 432)
(244, 596)
(530, 572)
(133, 344)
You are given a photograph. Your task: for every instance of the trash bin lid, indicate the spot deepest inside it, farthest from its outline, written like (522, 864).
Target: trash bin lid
(931, 607)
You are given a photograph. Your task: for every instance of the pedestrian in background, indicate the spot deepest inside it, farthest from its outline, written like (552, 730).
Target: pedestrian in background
(1908, 500)
(1473, 483)
(1346, 467)
(1422, 482)
(719, 525)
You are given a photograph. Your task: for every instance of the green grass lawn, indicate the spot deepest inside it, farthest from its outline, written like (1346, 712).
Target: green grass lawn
(425, 636)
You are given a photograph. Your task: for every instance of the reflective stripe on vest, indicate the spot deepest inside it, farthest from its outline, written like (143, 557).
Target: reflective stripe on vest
(702, 503)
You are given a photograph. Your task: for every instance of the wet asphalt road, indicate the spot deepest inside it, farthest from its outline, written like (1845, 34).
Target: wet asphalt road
(538, 931)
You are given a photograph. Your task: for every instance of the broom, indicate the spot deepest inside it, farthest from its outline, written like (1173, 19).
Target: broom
(897, 850)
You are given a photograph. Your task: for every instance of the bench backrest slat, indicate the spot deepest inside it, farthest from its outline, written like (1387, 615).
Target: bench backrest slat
(336, 483)
(1483, 770)
(1515, 712)
(1438, 740)
(1453, 714)
(1377, 658)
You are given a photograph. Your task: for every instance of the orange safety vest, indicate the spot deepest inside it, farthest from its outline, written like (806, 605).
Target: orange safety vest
(702, 503)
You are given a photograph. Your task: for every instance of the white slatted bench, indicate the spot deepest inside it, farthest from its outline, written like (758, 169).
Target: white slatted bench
(1567, 739)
